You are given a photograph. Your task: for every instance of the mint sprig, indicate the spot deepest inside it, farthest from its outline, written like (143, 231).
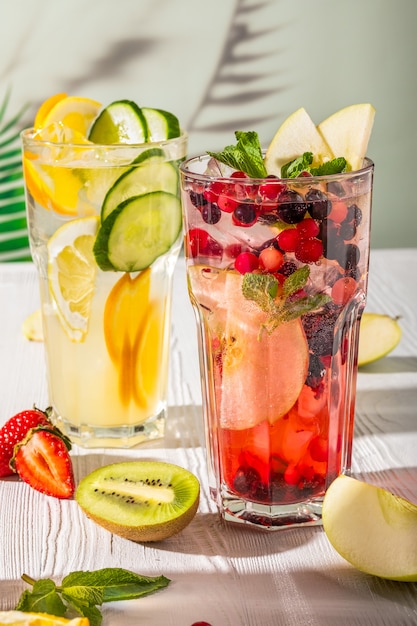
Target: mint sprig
(303, 164)
(263, 288)
(85, 591)
(246, 156)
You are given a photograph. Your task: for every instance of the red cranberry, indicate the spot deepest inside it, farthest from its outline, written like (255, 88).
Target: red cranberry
(246, 262)
(309, 250)
(308, 228)
(287, 239)
(226, 203)
(200, 243)
(271, 189)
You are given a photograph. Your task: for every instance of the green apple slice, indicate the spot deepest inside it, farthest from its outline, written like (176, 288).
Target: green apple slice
(298, 134)
(373, 529)
(379, 335)
(348, 131)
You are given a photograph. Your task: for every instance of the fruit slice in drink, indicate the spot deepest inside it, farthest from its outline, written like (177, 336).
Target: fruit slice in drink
(250, 361)
(138, 231)
(154, 174)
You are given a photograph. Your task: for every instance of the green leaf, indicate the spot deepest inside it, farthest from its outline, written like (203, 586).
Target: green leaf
(336, 166)
(295, 167)
(43, 598)
(303, 164)
(245, 156)
(112, 584)
(296, 281)
(263, 289)
(83, 591)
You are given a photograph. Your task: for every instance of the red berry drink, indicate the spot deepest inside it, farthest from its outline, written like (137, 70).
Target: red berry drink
(277, 274)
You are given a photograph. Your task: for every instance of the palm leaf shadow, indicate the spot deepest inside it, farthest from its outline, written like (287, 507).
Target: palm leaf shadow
(232, 76)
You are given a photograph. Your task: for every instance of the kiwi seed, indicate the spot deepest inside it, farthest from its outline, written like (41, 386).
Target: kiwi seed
(140, 500)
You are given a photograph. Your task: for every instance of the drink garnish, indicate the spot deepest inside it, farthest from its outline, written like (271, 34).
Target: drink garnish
(245, 156)
(84, 591)
(303, 164)
(263, 289)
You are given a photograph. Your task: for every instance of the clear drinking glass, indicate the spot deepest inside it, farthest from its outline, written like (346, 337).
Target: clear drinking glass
(105, 230)
(277, 275)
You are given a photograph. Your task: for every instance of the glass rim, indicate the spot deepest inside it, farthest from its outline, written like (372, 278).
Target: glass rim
(27, 136)
(208, 178)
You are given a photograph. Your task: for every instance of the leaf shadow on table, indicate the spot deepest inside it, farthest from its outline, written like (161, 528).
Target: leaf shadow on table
(388, 410)
(391, 365)
(402, 481)
(344, 595)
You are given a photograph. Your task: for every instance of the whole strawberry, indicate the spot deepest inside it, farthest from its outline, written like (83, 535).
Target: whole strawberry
(42, 461)
(16, 429)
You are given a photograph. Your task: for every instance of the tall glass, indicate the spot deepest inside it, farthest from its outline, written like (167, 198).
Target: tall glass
(277, 275)
(105, 230)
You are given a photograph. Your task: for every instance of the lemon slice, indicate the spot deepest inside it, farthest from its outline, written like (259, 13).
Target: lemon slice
(298, 134)
(46, 107)
(372, 529)
(348, 131)
(19, 618)
(72, 272)
(379, 335)
(32, 326)
(73, 112)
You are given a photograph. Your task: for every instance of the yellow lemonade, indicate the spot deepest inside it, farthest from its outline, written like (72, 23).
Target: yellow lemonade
(105, 232)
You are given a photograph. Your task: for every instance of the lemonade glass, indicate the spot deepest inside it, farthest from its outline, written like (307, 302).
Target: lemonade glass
(106, 313)
(277, 275)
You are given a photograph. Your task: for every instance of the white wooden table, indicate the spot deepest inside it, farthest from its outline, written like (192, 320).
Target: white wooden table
(226, 576)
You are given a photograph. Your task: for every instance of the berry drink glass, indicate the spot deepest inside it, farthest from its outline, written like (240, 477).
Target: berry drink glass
(277, 275)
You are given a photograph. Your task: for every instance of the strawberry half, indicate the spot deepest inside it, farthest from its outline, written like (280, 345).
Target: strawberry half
(42, 461)
(16, 429)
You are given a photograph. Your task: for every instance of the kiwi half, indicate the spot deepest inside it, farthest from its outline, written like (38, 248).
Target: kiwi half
(140, 500)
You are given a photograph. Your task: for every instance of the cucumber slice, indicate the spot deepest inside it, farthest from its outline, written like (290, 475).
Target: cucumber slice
(120, 122)
(161, 124)
(148, 154)
(138, 231)
(152, 175)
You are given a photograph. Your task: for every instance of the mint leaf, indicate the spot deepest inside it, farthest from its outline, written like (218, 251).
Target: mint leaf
(263, 288)
(336, 166)
(43, 598)
(295, 167)
(296, 281)
(303, 164)
(111, 584)
(246, 156)
(83, 591)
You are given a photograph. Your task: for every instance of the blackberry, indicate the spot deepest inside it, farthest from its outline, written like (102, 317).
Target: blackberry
(319, 330)
(288, 268)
